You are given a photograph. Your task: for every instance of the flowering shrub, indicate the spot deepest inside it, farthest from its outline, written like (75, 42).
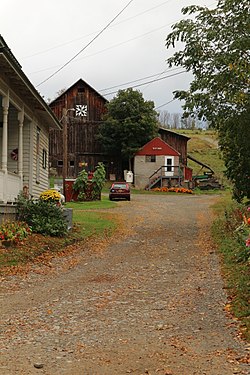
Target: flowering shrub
(43, 216)
(50, 195)
(15, 231)
(173, 190)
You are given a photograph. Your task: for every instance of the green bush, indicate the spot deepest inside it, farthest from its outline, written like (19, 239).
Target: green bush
(43, 217)
(90, 189)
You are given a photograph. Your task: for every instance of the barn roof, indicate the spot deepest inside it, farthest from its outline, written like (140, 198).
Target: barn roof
(170, 132)
(77, 83)
(157, 147)
(20, 84)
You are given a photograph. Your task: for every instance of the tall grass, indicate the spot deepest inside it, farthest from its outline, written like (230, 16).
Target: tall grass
(203, 146)
(234, 259)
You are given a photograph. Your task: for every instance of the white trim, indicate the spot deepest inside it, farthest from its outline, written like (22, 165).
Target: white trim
(20, 117)
(166, 172)
(31, 157)
(5, 105)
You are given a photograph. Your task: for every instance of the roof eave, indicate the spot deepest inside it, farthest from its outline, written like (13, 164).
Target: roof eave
(17, 70)
(172, 132)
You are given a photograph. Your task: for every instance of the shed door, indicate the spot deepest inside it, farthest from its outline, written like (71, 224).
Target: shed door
(169, 166)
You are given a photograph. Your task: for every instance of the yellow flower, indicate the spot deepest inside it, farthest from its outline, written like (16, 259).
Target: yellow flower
(50, 195)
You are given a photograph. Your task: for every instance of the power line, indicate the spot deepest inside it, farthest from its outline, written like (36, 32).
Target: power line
(88, 44)
(137, 80)
(111, 47)
(152, 81)
(162, 105)
(106, 49)
(87, 35)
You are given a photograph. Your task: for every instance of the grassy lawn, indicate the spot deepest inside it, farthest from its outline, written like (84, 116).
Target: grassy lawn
(89, 219)
(103, 204)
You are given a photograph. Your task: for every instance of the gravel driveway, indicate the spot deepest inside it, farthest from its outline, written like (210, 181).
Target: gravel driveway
(148, 301)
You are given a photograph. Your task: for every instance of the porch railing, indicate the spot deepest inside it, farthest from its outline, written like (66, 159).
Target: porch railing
(10, 186)
(162, 173)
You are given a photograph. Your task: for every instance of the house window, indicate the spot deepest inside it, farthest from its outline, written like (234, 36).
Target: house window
(44, 159)
(59, 163)
(38, 131)
(150, 158)
(72, 163)
(169, 164)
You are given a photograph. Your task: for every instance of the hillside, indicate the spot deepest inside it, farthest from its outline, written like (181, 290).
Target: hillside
(203, 146)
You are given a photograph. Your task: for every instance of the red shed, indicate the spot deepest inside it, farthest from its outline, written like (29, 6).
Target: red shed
(157, 147)
(157, 163)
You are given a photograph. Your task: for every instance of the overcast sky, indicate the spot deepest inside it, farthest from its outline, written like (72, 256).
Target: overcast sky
(45, 35)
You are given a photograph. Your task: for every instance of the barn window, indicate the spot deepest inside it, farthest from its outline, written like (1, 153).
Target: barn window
(150, 158)
(44, 159)
(81, 90)
(59, 163)
(72, 163)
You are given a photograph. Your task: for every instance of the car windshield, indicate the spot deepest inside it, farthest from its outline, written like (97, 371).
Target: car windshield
(119, 186)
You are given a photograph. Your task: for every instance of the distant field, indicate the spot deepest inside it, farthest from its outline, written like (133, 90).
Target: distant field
(203, 146)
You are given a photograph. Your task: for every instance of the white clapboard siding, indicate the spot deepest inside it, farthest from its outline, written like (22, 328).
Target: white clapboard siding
(43, 181)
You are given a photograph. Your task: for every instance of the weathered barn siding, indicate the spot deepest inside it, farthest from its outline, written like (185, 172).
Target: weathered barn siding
(84, 150)
(177, 141)
(80, 94)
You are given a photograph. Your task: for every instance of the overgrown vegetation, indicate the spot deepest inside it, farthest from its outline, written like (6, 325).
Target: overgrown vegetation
(43, 216)
(231, 231)
(90, 190)
(129, 123)
(215, 49)
(203, 146)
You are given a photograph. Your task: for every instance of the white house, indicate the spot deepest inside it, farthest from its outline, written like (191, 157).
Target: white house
(25, 119)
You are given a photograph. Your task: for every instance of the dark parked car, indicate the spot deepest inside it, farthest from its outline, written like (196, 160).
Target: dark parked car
(119, 190)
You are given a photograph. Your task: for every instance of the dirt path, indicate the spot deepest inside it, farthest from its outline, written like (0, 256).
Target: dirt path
(149, 302)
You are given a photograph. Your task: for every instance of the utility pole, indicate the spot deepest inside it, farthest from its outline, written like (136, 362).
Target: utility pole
(65, 147)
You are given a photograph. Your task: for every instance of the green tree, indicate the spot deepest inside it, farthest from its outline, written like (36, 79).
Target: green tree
(130, 122)
(216, 50)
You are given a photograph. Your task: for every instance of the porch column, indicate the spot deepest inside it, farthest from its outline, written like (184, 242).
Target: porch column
(5, 105)
(20, 143)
